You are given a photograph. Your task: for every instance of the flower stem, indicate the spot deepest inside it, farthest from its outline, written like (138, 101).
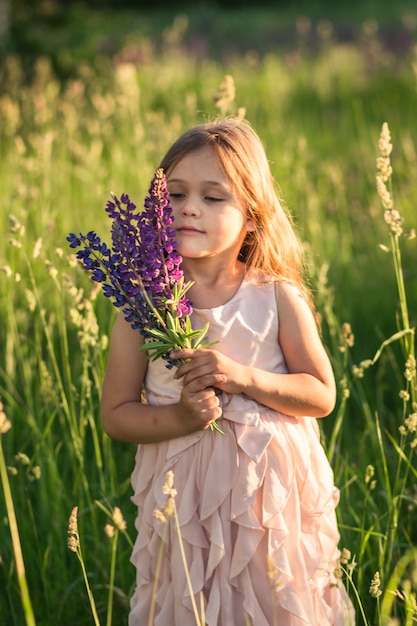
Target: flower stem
(17, 547)
(112, 577)
(88, 588)
(187, 573)
(157, 574)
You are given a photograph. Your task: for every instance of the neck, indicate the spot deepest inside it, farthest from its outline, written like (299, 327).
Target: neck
(215, 285)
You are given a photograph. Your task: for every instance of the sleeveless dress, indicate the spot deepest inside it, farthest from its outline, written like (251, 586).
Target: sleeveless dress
(256, 505)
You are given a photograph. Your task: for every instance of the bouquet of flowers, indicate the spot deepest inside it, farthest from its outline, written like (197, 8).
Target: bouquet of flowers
(141, 272)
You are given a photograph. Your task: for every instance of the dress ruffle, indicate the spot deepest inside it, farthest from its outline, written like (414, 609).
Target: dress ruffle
(257, 523)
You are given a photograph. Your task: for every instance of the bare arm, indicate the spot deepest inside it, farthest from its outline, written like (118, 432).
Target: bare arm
(123, 414)
(308, 388)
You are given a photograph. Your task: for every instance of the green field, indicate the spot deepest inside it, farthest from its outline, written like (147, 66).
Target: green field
(84, 112)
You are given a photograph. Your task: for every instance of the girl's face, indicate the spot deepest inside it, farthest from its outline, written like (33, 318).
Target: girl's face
(210, 219)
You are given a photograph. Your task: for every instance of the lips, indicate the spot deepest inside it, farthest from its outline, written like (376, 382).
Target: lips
(187, 230)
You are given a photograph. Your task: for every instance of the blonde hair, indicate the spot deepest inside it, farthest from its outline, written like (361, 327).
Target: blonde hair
(273, 247)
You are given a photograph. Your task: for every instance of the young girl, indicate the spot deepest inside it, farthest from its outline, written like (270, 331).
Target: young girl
(256, 504)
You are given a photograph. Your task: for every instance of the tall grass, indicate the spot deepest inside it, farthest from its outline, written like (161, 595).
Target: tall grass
(65, 145)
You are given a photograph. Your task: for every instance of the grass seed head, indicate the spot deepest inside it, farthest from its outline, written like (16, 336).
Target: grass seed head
(118, 519)
(5, 423)
(73, 540)
(374, 589)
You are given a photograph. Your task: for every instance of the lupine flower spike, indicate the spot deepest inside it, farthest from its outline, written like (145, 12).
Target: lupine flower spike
(141, 272)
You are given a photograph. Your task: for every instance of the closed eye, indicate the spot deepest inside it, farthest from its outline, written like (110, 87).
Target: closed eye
(212, 199)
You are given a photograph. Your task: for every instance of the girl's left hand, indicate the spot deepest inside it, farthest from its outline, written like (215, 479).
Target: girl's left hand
(209, 368)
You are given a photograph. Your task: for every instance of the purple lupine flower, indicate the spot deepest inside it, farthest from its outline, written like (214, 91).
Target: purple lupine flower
(141, 271)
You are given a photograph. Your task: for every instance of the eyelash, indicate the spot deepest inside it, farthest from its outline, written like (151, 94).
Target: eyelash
(179, 196)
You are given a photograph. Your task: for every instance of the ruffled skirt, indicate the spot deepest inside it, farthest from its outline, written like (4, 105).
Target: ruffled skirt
(257, 526)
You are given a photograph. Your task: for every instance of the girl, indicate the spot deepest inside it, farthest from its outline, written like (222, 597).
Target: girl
(256, 505)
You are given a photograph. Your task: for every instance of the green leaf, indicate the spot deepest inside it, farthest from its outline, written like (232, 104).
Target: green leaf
(153, 345)
(201, 336)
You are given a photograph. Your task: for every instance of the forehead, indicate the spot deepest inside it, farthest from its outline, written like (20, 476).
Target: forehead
(200, 164)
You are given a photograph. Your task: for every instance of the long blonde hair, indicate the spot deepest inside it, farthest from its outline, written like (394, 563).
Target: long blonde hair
(273, 247)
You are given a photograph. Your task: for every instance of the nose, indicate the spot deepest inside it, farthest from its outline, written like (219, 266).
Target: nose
(189, 207)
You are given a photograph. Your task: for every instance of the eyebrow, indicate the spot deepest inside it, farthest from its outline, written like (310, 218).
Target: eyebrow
(206, 182)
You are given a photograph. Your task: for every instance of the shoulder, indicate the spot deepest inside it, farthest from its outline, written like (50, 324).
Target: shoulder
(289, 294)
(124, 340)
(293, 307)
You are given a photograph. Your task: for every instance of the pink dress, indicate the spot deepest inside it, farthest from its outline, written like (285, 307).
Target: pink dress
(256, 505)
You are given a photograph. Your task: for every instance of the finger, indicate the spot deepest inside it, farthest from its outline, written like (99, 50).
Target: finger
(194, 367)
(211, 413)
(196, 384)
(188, 353)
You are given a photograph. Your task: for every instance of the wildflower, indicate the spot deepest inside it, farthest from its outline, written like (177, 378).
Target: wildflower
(384, 171)
(273, 573)
(225, 94)
(22, 458)
(393, 219)
(31, 300)
(141, 272)
(73, 540)
(345, 391)
(384, 144)
(351, 565)
(52, 270)
(409, 426)
(84, 318)
(410, 423)
(46, 385)
(346, 337)
(37, 248)
(118, 519)
(15, 226)
(169, 484)
(384, 168)
(384, 248)
(34, 473)
(357, 372)
(5, 423)
(7, 270)
(383, 193)
(168, 508)
(109, 530)
(345, 556)
(344, 559)
(15, 243)
(369, 473)
(410, 368)
(374, 589)
(159, 516)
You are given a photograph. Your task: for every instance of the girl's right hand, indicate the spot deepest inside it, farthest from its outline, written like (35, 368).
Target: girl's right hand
(198, 408)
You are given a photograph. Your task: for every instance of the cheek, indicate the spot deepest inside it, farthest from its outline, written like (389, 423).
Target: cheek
(175, 209)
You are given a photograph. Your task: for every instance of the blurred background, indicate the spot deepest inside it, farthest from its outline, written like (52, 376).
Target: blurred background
(92, 93)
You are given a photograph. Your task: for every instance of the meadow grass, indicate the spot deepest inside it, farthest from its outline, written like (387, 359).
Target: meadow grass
(65, 145)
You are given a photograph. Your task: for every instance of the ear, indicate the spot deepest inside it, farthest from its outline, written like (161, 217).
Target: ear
(250, 226)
